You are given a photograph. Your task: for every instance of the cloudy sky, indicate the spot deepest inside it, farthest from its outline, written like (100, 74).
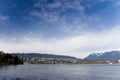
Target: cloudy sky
(63, 27)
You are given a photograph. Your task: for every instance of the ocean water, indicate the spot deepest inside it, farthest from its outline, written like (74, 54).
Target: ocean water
(60, 72)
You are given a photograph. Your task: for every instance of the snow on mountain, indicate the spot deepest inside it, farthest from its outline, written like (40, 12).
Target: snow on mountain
(106, 56)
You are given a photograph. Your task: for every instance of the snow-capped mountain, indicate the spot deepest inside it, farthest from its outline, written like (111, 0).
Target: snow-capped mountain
(106, 56)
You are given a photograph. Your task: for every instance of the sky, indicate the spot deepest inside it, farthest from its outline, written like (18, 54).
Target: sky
(63, 27)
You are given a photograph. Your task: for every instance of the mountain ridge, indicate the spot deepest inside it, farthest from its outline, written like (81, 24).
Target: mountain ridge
(106, 56)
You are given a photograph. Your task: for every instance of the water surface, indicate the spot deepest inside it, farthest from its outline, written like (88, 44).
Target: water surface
(60, 72)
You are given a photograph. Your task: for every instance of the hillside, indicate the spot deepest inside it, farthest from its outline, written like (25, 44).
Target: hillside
(40, 55)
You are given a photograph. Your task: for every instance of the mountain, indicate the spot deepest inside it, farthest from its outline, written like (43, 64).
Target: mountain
(106, 56)
(40, 55)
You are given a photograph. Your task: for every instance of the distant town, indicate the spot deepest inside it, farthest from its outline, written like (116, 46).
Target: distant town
(112, 57)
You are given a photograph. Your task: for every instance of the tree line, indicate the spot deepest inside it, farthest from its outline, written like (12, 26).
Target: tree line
(6, 58)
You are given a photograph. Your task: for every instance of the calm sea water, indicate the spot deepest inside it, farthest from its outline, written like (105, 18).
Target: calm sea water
(60, 72)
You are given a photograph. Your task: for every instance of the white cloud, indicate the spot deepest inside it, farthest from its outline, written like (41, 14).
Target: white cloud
(118, 3)
(59, 4)
(52, 11)
(78, 46)
(3, 18)
(103, 0)
(55, 14)
(56, 4)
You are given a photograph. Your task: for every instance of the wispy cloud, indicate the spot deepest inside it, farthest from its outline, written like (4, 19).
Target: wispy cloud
(3, 21)
(59, 4)
(57, 13)
(53, 11)
(79, 46)
(118, 3)
(3, 18)
(79, 27)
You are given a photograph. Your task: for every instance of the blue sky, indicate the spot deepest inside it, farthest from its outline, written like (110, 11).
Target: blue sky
(67, 27)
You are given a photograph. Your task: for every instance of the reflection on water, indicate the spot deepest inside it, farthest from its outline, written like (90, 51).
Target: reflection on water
(60, 72)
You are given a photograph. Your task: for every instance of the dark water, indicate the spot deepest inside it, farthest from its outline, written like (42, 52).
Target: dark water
(60, 72)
